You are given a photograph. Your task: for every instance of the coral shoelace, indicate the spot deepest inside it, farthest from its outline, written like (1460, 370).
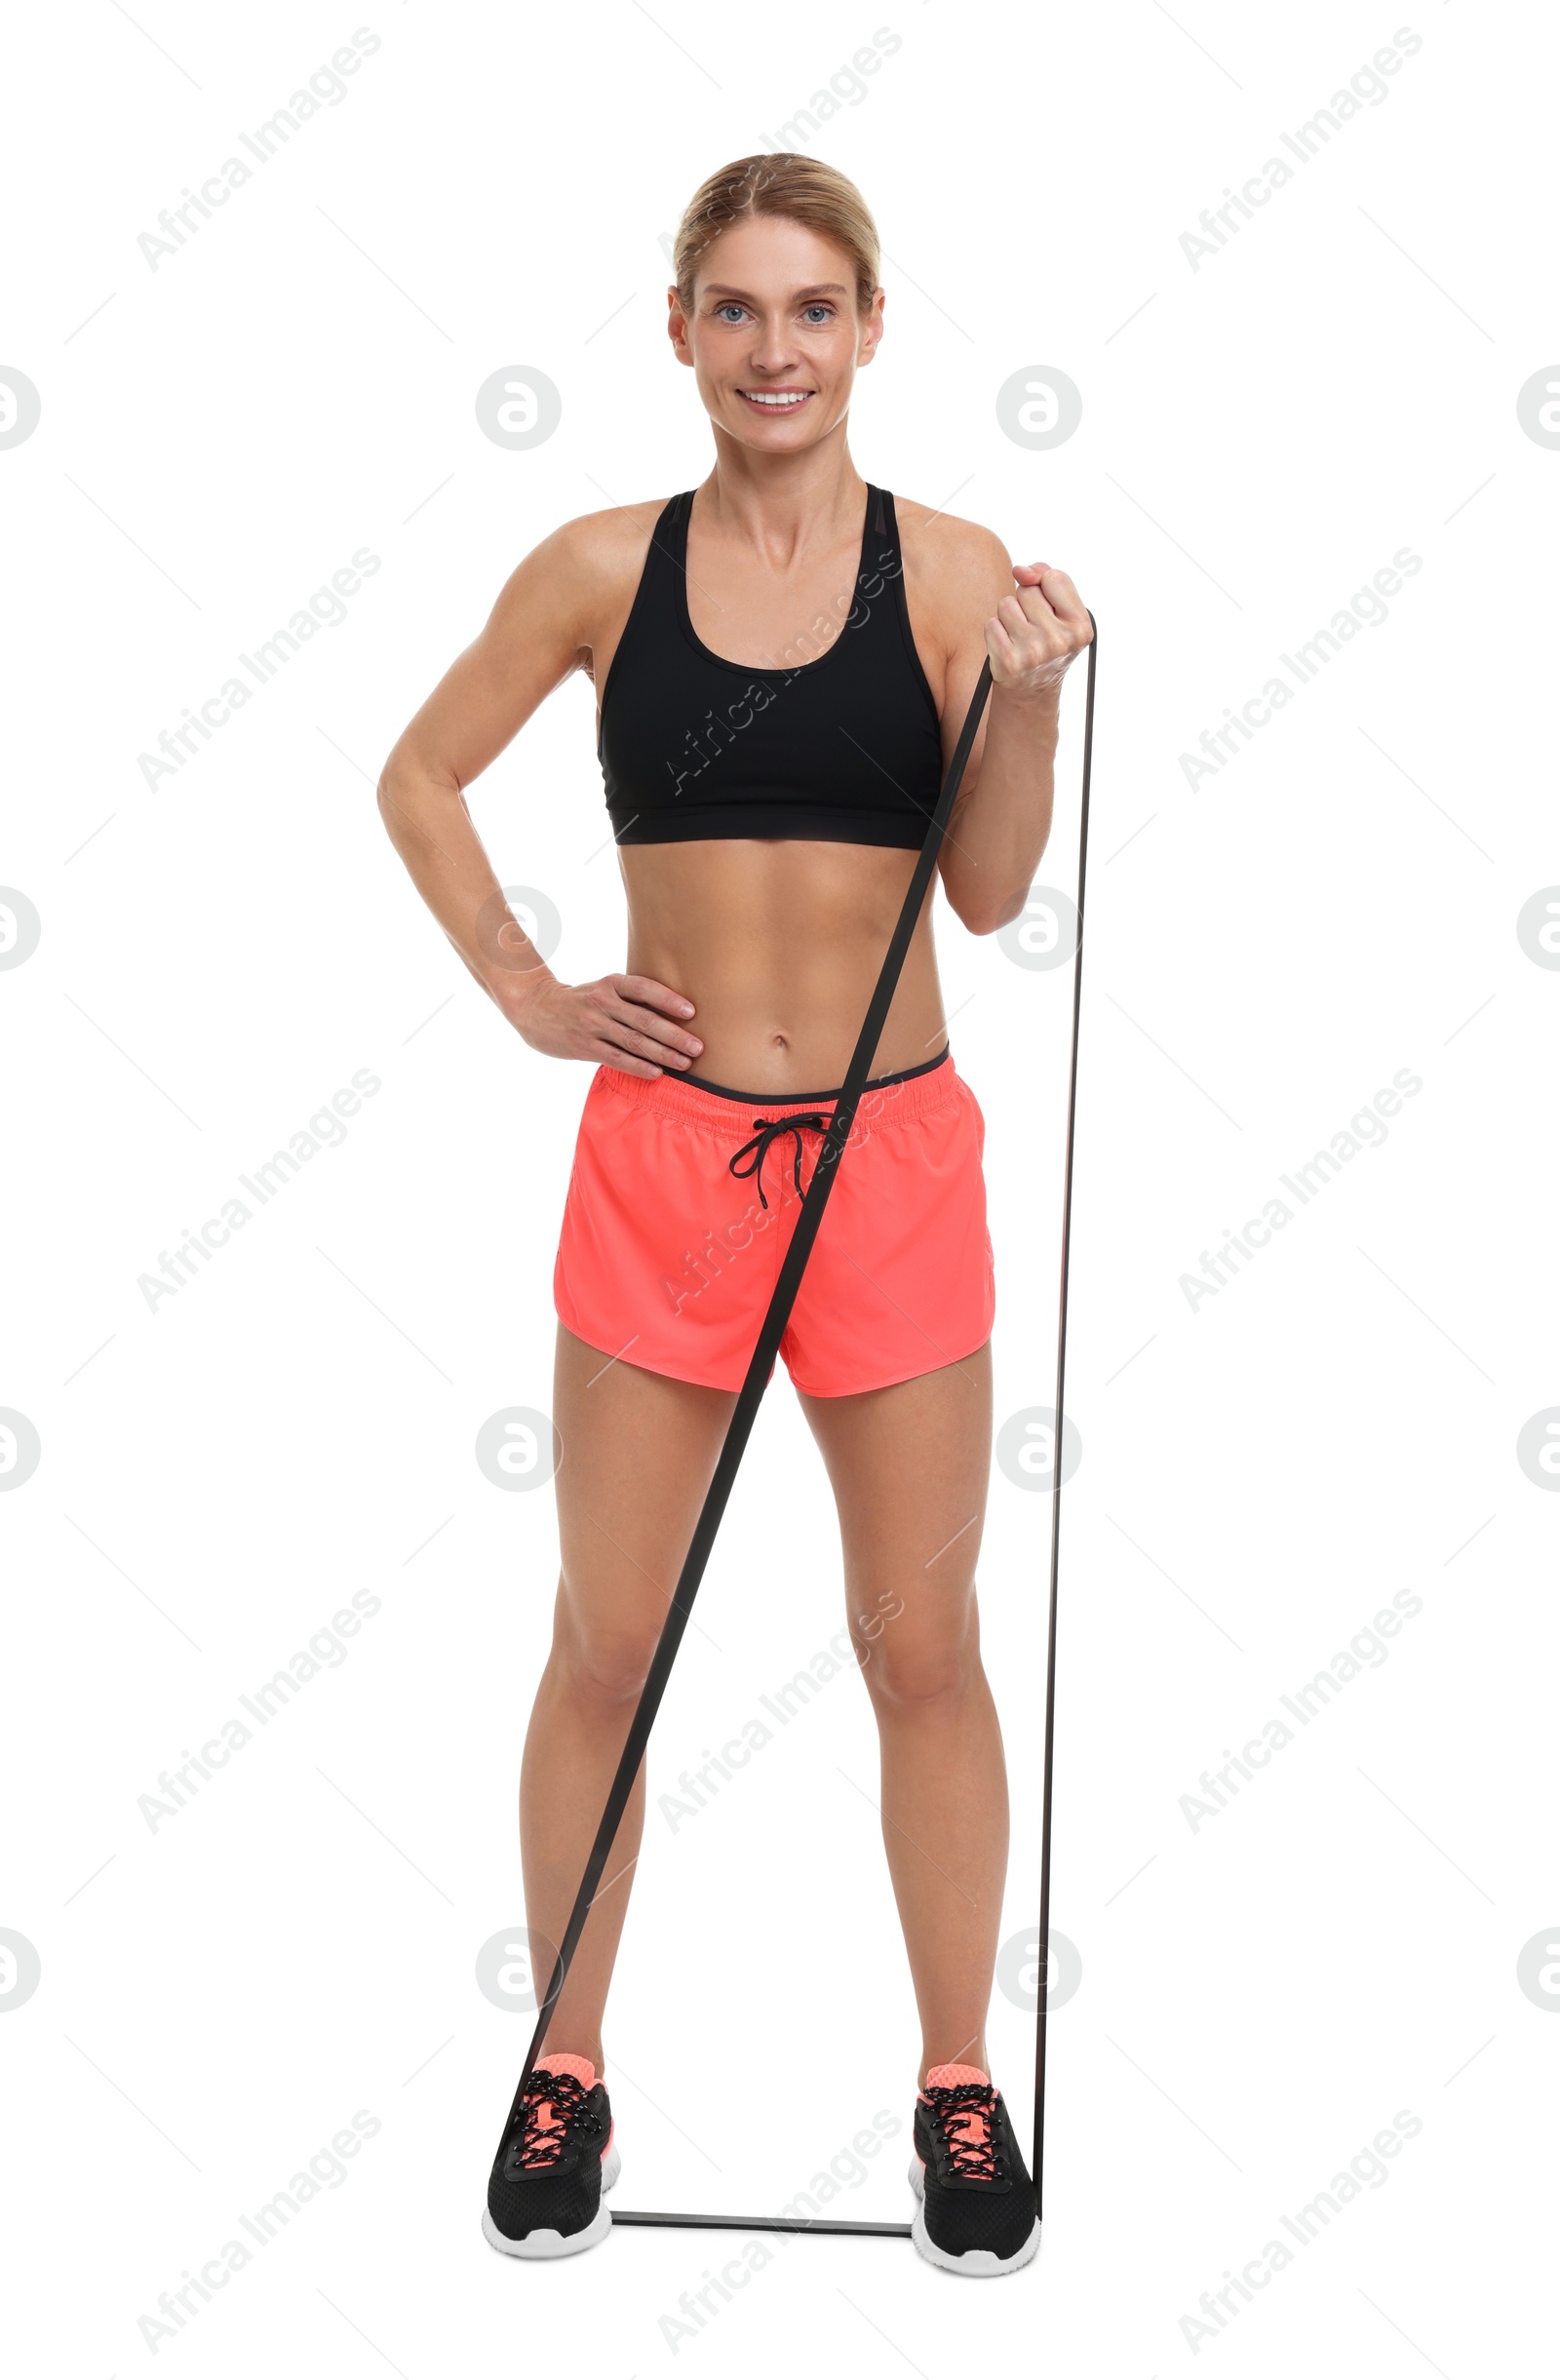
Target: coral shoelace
(551, 2104)
(963, 2113)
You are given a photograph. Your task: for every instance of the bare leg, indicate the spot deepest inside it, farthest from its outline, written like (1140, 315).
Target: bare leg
(637, 1455)
(909, 1467)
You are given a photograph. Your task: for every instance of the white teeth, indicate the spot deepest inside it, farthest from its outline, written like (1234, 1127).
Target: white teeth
(797, 396)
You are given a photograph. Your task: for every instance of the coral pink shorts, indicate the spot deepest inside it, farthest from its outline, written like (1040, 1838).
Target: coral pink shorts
(683, 1199)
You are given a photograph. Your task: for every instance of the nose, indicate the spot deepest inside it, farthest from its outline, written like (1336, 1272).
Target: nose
(772, 352)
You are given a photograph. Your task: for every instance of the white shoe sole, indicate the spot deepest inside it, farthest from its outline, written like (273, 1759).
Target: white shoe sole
(539, 2243)
(976, 2263)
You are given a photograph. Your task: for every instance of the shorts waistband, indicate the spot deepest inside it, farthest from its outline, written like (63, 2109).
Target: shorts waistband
(885, 1099)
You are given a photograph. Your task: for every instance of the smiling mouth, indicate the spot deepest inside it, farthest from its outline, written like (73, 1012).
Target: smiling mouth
(775, 400)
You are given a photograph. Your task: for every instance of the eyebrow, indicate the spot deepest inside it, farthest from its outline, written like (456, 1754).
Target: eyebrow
(816, 289)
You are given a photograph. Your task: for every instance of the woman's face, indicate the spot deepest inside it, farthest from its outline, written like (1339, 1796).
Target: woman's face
(774, 339)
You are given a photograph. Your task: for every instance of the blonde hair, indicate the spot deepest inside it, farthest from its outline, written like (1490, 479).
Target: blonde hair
(778, 182)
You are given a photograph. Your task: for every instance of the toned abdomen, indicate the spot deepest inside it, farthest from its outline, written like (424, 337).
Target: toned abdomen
(778, 944)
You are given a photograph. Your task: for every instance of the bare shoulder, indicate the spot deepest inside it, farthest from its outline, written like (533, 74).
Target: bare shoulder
(585, 570)
(602, 544)
(958, 570)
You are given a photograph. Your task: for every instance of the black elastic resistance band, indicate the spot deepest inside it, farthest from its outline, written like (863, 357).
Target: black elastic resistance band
(1038, 2164)
(739, 1429)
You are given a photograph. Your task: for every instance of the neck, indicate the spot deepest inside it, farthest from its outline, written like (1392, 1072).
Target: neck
(782, 503)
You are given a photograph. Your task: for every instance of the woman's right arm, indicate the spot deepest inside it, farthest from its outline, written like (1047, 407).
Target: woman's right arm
(542, 628)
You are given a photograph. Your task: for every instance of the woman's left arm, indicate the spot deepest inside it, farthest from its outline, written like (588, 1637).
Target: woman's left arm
(1002, 820)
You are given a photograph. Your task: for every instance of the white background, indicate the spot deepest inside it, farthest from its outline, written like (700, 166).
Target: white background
(1263, 1993)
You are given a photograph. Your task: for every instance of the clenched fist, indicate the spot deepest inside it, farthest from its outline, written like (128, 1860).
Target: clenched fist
(1034, 636)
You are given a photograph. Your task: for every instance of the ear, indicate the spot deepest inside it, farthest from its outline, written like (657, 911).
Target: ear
(676, 328)
(872, 331)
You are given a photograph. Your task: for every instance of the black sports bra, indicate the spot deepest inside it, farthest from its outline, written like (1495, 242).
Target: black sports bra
(843, 748)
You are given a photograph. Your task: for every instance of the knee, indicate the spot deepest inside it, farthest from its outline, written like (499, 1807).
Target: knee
(604, 1667)
(922, 1674)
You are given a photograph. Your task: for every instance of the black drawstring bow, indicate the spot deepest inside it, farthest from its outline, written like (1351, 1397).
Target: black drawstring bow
(769, 1130)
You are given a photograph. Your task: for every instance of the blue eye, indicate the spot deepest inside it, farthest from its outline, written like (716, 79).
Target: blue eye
(727, 306)
(818, 307)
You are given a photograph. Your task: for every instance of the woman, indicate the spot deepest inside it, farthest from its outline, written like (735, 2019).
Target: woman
(782, 659)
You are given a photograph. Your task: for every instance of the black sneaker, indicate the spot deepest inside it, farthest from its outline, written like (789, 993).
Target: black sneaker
(556, 2158)
(977, 2203)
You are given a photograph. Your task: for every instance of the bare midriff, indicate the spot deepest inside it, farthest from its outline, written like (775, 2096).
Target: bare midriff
(778, 944)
